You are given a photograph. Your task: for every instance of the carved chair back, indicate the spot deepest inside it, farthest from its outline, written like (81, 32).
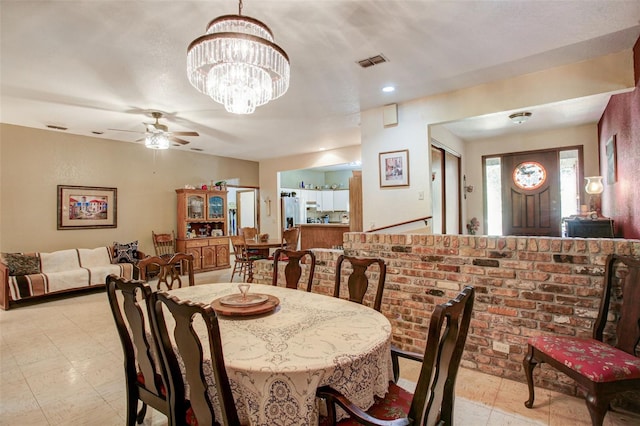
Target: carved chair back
(358, 281)
(293, 269)
(169, 267)
(164, 244)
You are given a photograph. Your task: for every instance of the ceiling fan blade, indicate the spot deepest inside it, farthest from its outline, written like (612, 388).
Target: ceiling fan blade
(186, 133)
(178, 140)
(122, 130)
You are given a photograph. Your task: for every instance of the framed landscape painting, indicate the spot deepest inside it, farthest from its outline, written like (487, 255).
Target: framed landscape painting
(394, 168)
(87, 207)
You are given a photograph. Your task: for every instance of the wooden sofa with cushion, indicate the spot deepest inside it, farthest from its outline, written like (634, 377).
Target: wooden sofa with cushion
(27, 276)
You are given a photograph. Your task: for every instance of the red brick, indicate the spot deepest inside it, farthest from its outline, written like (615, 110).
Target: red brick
(499, 310)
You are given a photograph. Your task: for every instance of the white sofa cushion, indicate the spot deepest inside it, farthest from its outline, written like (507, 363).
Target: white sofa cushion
(90, 258)
(73, 278)
(59, 261)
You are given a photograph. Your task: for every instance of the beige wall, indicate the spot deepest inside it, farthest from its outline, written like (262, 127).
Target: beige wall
(33, 162)
(585, 136)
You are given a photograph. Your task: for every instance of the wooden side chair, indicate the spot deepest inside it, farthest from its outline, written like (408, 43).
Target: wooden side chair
(249, 232)
(242, 262)
(169, 269)
(164, 244)
(144, 377)
(189, 347)
(358, 282)
(290, 238)
(293, 269)
(433, 400)
(602, 369)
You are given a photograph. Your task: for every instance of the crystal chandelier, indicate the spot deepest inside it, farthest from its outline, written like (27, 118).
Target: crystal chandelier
(156, 140)
(237, 63)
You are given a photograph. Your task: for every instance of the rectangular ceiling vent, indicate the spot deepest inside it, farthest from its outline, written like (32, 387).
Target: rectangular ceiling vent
(51, 126)
(374, 60)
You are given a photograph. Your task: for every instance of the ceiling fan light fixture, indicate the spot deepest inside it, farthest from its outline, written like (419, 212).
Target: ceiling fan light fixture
(520, 117)
(156, 140)
(237, 63)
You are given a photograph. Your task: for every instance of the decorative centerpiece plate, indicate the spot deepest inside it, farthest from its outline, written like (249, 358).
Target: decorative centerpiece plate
(257, 307)
(243, 301)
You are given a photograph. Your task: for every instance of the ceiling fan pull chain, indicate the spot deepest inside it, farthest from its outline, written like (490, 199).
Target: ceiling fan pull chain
(240, 7)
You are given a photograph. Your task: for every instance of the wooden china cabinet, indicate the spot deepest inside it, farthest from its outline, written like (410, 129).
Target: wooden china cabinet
(202, 228)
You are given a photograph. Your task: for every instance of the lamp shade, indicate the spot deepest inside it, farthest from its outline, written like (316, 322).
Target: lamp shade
(594, 185)
(156, 140)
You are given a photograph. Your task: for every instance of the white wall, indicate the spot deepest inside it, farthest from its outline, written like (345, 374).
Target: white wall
(388, 206)
(269, 185)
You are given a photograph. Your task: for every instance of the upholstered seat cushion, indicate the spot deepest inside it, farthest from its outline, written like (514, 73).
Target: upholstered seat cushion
(190, 415)
(591, 358)
(394, 405)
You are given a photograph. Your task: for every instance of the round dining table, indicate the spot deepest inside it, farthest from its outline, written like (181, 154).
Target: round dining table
(277, 360)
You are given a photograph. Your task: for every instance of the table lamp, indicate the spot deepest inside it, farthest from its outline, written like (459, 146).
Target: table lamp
(594, 188)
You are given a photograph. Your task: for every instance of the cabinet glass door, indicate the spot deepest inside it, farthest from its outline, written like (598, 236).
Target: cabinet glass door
(216, 207)
(195, 207)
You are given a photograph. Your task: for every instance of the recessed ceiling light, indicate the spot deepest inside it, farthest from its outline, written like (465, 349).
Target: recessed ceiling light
(322, 148)
(388, 89)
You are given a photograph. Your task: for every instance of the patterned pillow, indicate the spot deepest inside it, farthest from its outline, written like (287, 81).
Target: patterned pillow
(125, 253)
(20, 264)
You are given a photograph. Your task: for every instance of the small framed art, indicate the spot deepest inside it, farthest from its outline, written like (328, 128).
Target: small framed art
(394, 168)
(87, 207)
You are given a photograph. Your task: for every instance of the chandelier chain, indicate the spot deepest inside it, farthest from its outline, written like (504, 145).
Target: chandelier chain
(240, 7)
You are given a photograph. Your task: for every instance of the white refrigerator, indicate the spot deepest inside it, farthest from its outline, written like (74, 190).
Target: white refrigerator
(290, 208)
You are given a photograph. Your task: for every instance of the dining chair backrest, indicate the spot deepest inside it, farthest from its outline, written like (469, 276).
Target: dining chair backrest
(190, 349)
(293, 269)
(358, 281)
(144, 377)
(290, 238)
(170, 268)
(249, 232)
(433, 399)
(164, 244)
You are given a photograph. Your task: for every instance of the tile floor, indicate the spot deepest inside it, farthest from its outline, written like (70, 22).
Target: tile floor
(61, 364)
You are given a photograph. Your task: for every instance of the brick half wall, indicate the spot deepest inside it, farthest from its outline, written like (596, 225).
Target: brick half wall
(525, 286)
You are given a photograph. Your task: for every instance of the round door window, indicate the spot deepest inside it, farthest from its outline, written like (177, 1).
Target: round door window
(529, 175)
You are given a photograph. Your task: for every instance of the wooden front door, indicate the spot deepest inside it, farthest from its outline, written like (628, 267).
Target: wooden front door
(531, 194)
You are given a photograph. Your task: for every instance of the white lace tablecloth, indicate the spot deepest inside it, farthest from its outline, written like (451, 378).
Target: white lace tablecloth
(276, 361)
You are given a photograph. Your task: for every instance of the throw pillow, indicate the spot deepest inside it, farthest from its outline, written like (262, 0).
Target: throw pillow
(21, 264)
(125, 253)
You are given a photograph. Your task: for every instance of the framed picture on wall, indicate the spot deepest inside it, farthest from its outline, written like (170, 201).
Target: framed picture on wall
(612, 171)
(87, 207)
(394, 168)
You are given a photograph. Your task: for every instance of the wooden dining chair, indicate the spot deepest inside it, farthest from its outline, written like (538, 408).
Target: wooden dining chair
(604, 369)
(293, 269)
(164, 244)
(188, 348)
(248, 232)
(144, 377)
(358, 282)
(433, 400)
(169, 269)
(241, 256)
(290, 238)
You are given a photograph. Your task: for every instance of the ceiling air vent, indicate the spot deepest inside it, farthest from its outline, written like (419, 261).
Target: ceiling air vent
(51, 126)
(374, 60)
(196, 149)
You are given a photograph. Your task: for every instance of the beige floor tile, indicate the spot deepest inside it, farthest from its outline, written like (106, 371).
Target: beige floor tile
(467, 412)
(512, 395)
(476, 386)
(500, 418)
(31, 417)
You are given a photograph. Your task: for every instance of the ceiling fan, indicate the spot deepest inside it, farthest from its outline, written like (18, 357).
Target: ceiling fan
(158, 136)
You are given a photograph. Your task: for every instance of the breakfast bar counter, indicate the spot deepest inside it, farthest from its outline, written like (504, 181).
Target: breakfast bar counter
(322, 235)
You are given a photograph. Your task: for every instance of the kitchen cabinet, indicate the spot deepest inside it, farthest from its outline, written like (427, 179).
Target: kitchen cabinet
(326, 205)
(341, 200)
(202, 224)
